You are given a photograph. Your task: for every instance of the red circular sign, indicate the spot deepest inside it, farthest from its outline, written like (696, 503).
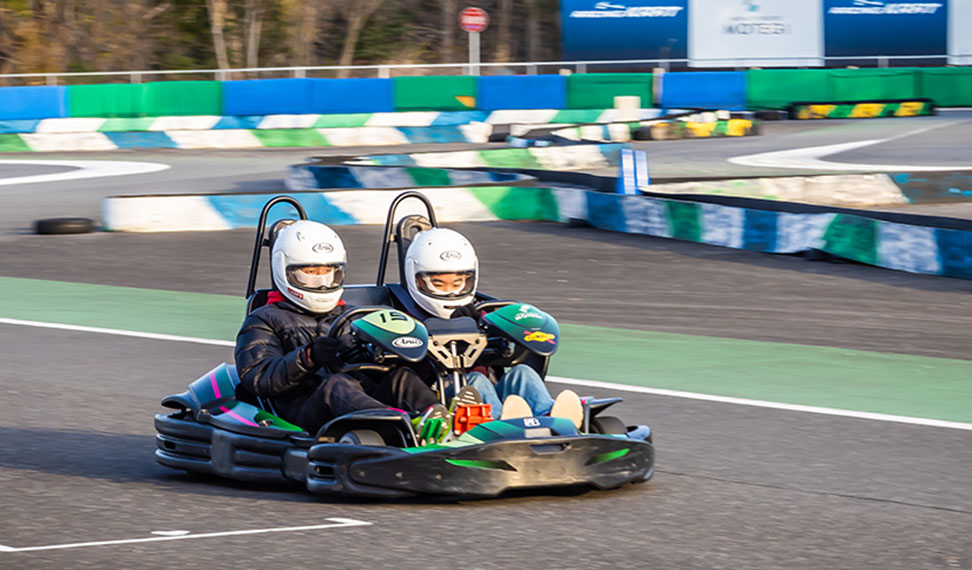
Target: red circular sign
(473, 19)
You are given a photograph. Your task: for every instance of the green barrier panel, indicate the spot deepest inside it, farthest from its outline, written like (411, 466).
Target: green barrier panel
(870, 85)
(598, 90)
(947, 87)
(167, 98)
(123, 100)
(435, 93)
(10, 142)
(779, 88)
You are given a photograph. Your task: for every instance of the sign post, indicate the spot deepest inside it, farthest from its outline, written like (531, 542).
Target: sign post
(474, 21)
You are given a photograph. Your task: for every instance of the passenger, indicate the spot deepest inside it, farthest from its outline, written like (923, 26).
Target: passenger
(442, 272)
(283, 352)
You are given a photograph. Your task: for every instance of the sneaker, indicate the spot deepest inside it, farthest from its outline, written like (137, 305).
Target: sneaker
(433, 425)
(515, 407)
(468, 396)
(568, 405)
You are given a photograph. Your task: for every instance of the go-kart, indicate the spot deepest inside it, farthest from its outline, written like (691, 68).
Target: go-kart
(221, 427)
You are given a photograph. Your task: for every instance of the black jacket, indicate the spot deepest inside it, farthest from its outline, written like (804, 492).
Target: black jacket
(270, 355)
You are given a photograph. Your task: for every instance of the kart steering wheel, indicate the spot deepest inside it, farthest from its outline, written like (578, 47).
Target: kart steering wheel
(338, 324)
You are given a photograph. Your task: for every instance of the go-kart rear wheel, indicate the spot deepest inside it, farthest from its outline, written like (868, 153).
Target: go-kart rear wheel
(608, 425)
(363, 437)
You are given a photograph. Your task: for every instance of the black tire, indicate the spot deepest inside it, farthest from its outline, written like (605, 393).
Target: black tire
(642, 134)
(52, 226)
(608, 425)
(363, 437)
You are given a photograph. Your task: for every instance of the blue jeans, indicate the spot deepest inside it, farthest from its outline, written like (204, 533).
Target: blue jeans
(520, 380)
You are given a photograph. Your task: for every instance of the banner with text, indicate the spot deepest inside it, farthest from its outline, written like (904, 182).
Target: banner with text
(879, 28)
(756, 33)
(624, 29)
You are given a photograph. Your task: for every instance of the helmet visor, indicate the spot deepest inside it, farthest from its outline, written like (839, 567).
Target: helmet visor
(318, 278)
(446, 285)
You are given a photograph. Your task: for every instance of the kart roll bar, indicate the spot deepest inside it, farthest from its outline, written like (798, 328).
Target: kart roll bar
(389, 235)
(261, 241)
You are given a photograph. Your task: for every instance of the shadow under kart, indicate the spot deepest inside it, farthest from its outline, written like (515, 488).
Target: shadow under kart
(221, 428)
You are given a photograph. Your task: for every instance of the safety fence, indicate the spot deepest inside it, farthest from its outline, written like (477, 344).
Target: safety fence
(732, 90)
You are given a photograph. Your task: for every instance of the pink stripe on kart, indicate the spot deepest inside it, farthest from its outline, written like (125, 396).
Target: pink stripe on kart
(212, 380)
(238, 416)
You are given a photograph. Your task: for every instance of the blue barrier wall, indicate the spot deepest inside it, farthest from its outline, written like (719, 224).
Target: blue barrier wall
(357, 95)
(523, 92)
(267, 96)
(710, 89)
(33, 103)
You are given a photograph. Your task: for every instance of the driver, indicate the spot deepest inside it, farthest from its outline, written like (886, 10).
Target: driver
(283, 351)
(442, 272)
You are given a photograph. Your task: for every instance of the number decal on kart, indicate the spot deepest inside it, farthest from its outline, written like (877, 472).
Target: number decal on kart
(395, 322)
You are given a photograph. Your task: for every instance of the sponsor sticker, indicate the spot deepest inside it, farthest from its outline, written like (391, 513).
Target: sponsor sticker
(450, 255)
(295, 293)
(322, 247)
(539, 336)
(876, 8)
(617, 10)
(407, 342)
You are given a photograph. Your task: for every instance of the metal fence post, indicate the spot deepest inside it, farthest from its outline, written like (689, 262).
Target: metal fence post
(300, 73)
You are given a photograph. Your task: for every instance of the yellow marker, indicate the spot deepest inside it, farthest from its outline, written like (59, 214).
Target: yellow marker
(467, 100)
(819, 111)
(909, 109)
(867, 110)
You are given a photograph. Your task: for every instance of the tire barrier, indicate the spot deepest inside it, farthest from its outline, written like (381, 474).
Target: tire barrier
(320, 177)
(345, 207)
(576, 157)
(218, 132)
(865, 110)
(681, 129)
(918, 244)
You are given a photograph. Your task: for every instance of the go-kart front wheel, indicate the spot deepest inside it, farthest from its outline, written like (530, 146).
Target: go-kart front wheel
(363, 437)
(608, 425)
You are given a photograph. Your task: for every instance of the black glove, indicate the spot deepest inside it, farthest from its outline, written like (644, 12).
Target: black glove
(466, 311)
(325, 350)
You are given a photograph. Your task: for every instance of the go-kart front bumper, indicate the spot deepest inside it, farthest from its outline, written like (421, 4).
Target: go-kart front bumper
(483, 470)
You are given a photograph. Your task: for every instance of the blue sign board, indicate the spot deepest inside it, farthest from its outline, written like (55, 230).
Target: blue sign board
(892, 27)
(624, 29)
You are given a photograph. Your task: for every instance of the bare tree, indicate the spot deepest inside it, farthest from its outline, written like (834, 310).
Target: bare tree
(217, 21)
(252, 27)
(302, 21)
(504, 38)
(533, 30)
(356, 13)
(448, 29)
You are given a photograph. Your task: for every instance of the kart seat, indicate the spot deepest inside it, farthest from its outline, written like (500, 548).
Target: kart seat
(405, 232)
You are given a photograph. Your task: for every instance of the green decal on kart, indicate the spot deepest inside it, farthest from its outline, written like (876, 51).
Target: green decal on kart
(394, 331)
(526, 325)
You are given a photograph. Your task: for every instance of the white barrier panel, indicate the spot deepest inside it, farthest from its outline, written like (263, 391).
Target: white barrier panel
(959, 38)
(751, 32)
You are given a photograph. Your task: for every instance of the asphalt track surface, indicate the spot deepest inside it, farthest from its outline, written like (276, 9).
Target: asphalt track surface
(736, 486)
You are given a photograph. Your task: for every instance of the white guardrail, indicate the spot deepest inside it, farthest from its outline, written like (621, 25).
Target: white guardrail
(531, 68)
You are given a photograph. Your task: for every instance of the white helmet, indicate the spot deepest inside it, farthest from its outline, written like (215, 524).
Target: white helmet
(307, 265)
(441, 271)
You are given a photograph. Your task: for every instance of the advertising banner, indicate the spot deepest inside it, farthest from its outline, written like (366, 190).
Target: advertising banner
(624, 29)
(959, 38)
(893, 27)
(758, 33)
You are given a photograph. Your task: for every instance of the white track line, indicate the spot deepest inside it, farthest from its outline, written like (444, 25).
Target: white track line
(85, 169)
(763, 403)
(118, 332)
(562, 380)
(335, 523)
(810, 157)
